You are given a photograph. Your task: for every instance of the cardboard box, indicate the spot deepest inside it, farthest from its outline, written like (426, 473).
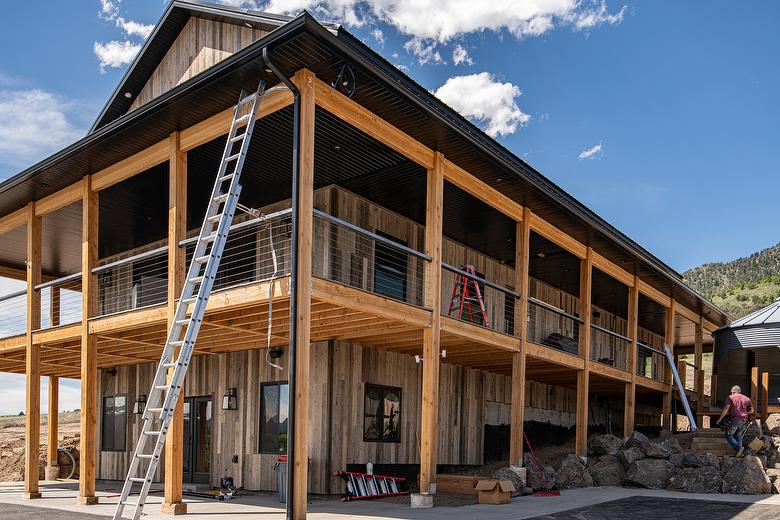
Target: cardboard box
(494, 491)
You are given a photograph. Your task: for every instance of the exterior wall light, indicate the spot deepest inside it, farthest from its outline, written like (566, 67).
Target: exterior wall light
(230, 400)
(139, 405)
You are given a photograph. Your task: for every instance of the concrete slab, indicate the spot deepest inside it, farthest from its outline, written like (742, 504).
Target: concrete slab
(60, 496)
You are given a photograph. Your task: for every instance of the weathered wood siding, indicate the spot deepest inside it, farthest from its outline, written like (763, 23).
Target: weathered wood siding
(201, 44)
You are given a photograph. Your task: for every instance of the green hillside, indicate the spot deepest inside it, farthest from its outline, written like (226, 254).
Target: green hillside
(741, 286)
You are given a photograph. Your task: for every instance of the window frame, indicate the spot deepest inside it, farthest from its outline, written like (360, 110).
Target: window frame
(113, 448)
(261, 415)
(382, 389)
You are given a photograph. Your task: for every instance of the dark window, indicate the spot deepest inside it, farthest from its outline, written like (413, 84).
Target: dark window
(382, 414)
(114, 422)
(274, 402)
(390, 269)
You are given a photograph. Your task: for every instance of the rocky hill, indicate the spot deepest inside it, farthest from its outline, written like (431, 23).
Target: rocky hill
(741, 286)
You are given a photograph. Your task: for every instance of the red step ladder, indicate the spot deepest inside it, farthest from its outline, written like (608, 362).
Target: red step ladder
(466, 293)
(366, 485)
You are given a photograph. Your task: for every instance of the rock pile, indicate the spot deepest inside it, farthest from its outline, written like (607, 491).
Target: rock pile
(636, 461)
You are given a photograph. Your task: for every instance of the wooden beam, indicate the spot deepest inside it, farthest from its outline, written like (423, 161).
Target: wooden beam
(356, 115)
(764, 396)
(429, 414)
(52, 432)
(177, 231)
(583, 376)
(613, 270)
(669, 340)
(32, 420)
(13, 220)
(686, 313)
(654, 294)
(698, 386)
(555, 235)
(554, 356)
(89, 375)
(487, 194)
(219, 124)
(754, 382)
(305, 81)
(517, 411)
(59, 199)
(629, 410)
(477, 334)
(133, 165)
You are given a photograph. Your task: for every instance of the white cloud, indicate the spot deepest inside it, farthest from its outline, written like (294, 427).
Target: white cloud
(378, 35)
(596, 14)
(461, 55)
(26, 138)
(115, 54)
(489, 102)
(425, 51)
(593, 152)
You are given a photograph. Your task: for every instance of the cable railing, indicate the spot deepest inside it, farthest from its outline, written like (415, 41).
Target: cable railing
(60, 301)
(473, 299)
(373, 262)
(256, 250)
(609, 348)
(133, 283)
(650, 362)
(13, 314)
(553, 327)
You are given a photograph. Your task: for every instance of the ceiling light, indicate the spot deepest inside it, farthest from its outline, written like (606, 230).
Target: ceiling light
(128, 95)
(499, 179)
(249, 25)
(337, 148)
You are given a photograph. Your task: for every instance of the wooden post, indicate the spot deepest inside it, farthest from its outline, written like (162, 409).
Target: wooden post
(429, 419)
(754, 384)
(629, 410)
(522, 239)
(669, 395)
(764, 396)
(52, 471)
(698, 384)
(89, 379)
(304, 80)
(177, 230)
(583, 376)
(32, 420)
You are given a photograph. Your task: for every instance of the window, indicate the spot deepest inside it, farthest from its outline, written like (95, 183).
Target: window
(382, 414)
(274, 402)
(114, 422)
(389, 269)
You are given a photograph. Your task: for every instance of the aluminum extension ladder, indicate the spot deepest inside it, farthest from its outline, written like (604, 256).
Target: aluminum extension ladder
(366, 485)
(200, 278)
(680, 388)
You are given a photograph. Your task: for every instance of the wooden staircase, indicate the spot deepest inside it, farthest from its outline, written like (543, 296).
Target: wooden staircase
(711, 440)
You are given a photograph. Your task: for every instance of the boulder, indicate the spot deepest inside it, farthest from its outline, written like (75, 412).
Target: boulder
(605, 444)
(694, 460)
(726, 463)
(703, 479)
(534, 477)
(747, 477)
(650, 473)
(608, 471)
(636, 439)
(655, 450)
(774, 479)
(672, 446)
(573, 474)
(629, 456)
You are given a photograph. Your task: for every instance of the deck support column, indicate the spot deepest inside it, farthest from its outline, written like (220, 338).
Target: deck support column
(177, 230)
(583, 376)
(32, 420)
(668, 420)
(698, 385)
(629, 410)
(52, 471)
(429, 420)
(298, 479)
(89, 379)
(764, 396)
(522, 237)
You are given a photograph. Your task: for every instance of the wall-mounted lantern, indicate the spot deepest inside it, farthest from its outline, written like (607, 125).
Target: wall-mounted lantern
(140, 405)
(230, 400)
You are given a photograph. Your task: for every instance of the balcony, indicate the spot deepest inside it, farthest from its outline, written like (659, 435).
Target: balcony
(609, 348)
(650, 362)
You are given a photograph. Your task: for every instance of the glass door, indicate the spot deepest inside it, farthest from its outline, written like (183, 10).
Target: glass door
(197, 440)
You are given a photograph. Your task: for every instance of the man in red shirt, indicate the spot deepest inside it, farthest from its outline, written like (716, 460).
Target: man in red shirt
(737, 407)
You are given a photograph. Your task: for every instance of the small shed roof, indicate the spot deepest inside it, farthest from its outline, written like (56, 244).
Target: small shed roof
(758, 330)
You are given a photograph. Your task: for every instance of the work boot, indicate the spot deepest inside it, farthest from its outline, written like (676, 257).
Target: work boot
(740, 452)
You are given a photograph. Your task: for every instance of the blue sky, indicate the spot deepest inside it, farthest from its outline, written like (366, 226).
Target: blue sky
(663, 117)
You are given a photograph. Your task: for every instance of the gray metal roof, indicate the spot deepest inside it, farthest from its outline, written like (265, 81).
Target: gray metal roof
(758, 330)
(769, 316)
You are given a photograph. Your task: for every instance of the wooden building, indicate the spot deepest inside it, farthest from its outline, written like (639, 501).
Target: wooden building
(398, 199)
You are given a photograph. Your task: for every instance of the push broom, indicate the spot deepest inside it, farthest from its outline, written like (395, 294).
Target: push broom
(549, 491)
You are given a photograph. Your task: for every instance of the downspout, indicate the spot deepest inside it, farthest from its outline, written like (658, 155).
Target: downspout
(290, 510)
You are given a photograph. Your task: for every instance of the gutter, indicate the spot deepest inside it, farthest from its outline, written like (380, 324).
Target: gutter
(291, 370)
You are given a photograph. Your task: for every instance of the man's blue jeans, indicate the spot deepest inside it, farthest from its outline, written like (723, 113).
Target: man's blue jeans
(734, 433)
